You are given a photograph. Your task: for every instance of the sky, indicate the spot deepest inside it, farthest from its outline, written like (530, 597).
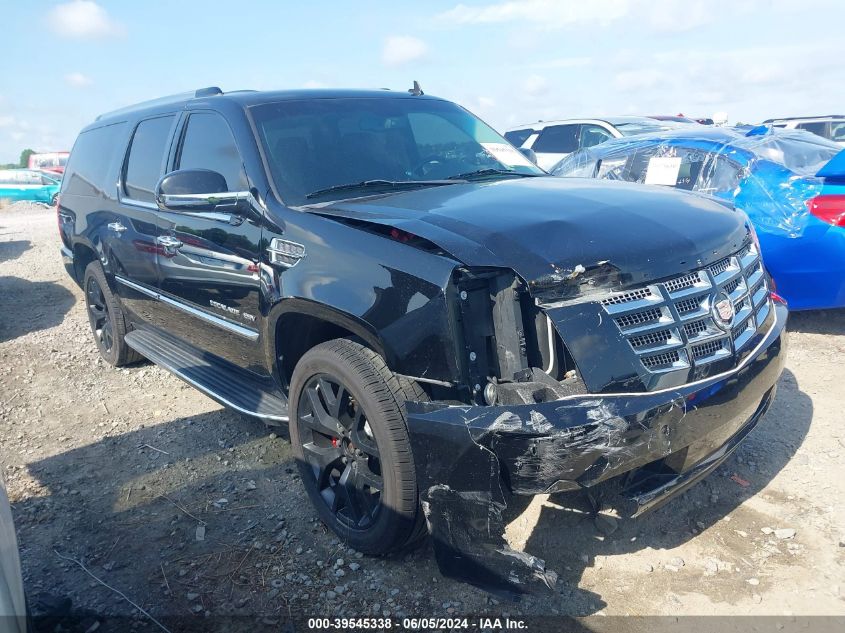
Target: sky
(509, 61)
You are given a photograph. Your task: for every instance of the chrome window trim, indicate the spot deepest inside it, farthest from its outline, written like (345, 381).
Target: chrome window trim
(139, 203)
(240, 330)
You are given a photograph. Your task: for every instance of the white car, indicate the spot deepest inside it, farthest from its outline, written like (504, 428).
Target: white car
(830, 127)
(552, 141)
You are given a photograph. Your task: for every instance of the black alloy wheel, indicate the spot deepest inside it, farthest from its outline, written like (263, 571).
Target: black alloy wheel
(99, 316)
(105, 315)
(351, 444)
(339, 446)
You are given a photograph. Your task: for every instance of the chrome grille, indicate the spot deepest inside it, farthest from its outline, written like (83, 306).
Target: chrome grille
(732, 285)
(708, 349)
(673, 325)
(688, 305)
(634, 295)
(695, 328)
(719, 268)
(667, 359)
(687, 281)
(637, 318)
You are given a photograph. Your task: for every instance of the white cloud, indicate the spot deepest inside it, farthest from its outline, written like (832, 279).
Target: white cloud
(313, 83)
(564, 62)
(78, 80)
(83, 19)
(401, 49)
(7, 121)
(637, 80)
(480, 105)
(545, 13)
(662, 16)
(535, 85)
(675, 16)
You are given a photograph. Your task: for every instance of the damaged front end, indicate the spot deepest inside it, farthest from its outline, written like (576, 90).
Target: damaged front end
(579, 380)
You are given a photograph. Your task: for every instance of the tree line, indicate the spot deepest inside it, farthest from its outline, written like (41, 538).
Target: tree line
(23, 162)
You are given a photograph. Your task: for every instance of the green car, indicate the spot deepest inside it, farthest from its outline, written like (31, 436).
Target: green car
(29, 184)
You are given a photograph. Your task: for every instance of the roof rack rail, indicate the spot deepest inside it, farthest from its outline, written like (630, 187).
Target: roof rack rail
(182, 96)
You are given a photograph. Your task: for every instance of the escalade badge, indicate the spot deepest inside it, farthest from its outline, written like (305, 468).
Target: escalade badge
(723, 310)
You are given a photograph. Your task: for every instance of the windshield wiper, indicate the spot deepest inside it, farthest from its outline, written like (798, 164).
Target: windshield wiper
(480, 173)
(380, 184)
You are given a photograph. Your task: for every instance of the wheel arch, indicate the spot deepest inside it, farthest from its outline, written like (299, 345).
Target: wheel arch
(296, 325)
(83, 254)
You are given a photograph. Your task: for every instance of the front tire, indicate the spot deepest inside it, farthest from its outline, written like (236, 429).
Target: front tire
(106, 318)
(351, 445)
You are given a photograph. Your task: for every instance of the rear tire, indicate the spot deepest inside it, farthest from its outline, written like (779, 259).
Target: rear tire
(105, 316)
(351, 444)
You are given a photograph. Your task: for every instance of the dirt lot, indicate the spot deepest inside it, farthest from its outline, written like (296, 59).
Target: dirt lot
(119, 468)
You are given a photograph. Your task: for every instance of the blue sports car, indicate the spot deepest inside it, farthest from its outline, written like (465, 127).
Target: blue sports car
(790, 183)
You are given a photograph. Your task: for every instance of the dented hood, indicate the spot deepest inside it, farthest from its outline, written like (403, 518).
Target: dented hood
(546, 227)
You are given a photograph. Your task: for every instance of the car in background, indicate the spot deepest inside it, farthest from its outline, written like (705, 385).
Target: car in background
(672, 118)
(831, 127)
(29, 184)
(553, 140)
(48, 161)
(788, 182)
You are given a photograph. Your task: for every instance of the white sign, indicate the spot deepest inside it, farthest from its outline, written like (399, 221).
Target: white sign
(663, 170)
(506, 154)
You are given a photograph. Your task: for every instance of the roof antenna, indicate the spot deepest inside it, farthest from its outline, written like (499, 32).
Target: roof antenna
(416, 90)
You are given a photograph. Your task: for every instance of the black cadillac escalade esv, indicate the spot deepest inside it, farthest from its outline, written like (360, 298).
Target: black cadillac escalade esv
(443, 325)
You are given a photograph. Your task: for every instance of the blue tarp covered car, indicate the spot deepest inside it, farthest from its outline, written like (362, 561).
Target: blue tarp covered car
(790, 183)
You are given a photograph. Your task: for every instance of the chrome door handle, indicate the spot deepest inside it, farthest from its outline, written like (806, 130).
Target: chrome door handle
(117, 227)
(169, 243)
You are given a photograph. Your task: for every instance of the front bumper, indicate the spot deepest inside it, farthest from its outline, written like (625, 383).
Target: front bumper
(656, 443)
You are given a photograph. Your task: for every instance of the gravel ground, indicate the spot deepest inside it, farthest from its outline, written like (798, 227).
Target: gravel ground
(189, 509)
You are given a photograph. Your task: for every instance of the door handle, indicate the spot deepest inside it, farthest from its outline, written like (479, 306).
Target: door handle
(170, 243)
(117, 227)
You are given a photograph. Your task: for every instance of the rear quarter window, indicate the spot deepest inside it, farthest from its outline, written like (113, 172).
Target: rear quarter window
(89, 169)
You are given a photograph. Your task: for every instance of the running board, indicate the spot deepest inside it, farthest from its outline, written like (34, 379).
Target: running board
(219, 379)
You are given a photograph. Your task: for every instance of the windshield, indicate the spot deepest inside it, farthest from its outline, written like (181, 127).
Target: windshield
(318, 144)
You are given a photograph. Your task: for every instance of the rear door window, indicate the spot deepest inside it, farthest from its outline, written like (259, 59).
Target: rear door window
(146, 158)
(208, 143)
(557, 139)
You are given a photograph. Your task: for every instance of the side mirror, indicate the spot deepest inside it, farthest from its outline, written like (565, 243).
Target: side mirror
(529, 154)
(198, 190)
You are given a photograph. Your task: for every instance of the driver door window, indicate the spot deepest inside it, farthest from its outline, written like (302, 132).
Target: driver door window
(208, 143)
(593, 135)
(557, 139)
